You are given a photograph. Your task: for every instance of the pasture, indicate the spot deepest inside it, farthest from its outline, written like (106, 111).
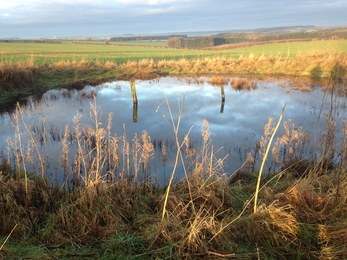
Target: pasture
(292, 49)
(155, 43)
(27, 68)
(47, 53)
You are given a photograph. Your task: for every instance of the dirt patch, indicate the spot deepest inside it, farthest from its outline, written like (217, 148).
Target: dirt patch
(80, 84)
(143, 75)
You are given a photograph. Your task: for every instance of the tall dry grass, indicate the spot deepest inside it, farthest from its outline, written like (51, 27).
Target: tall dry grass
(12, 77)
(73, 73)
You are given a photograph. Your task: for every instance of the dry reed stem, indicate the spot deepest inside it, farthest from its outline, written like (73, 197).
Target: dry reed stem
(80, 156)
(147, 153)
(65, 154)
(3, 244)
(263, 161)
(20, 158)
(136, 154)
(175, 128)
(41, 160)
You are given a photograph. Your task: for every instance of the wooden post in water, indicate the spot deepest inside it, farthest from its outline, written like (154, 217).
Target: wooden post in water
(133, 93)
(223, 99)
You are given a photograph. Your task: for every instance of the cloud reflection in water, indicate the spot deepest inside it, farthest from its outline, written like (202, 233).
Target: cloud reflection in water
(239, 126)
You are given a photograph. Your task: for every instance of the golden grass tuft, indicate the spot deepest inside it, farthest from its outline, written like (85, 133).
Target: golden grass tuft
(94, 212)
(333, 240)
(278, 223)
(192, 218)
(218, 80)
(243, 83)
(17, 76)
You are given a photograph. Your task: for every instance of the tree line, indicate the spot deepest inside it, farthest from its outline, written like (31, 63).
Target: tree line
(244, 37)
(332, 33)
(193, 43)
(145, 38)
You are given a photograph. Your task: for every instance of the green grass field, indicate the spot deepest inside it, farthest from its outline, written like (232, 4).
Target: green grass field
(45, 53)
(159, 43)
(154, 43)
(292, 49)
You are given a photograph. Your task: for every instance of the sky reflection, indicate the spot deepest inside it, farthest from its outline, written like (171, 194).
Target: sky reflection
(238, 128)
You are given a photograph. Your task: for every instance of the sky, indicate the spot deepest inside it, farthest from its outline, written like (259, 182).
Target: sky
(103, 18)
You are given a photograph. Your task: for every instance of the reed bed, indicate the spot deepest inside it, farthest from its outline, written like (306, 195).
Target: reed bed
(18, 75)
(108, 201)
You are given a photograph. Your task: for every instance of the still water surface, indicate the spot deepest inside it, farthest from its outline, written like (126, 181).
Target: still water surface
(236, 121)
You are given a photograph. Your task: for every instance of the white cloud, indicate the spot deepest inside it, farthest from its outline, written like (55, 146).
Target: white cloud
(10, 4)
(105, 17)
(154, 11)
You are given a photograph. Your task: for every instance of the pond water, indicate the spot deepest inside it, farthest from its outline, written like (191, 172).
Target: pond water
(236, 118)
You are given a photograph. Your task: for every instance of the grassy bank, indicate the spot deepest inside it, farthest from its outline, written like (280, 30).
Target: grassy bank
(296, 219)
(28, 68)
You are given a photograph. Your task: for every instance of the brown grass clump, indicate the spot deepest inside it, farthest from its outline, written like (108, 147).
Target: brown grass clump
(125, 76)
(333, 239)
(297, 218)
(146, 75)
(218, 80)
(243, 83)
(142, 75)
(318, 198)
(94, 212)
(302, 85)
(109, 65)
(277, 224)
(193, 208)
(18, 76)
(24, 207)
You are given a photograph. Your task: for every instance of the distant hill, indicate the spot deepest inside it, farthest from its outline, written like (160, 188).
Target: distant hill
(145, 38)
(258, 36)
(10, 39)
(286, 28)
(285, 33)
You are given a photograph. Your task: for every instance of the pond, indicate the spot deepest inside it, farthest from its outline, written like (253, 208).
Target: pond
(234, 117)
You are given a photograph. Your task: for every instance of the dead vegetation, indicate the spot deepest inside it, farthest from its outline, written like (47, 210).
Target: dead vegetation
(26, 75)
(18, 75)
(218, 80)
(243, 83)
(107, 196)
(302, 217)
